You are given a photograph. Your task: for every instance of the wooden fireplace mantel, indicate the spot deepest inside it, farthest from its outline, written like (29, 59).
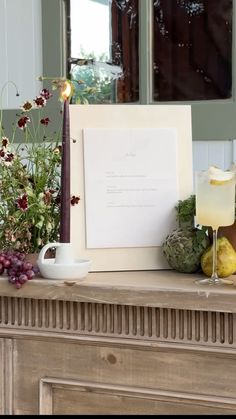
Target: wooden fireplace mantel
(150, 342)
(142, 288)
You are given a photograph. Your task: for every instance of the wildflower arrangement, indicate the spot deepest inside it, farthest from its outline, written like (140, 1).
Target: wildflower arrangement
(30, 179)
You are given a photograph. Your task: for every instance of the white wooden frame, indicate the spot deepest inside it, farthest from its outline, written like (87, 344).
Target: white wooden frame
(125, 116)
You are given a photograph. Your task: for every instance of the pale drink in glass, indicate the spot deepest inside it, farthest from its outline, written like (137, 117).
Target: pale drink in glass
(215, 207)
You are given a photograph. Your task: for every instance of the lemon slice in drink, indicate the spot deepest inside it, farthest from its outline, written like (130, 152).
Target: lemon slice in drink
(218, 176)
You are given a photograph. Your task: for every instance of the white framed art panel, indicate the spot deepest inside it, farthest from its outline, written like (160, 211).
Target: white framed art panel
(88, 122)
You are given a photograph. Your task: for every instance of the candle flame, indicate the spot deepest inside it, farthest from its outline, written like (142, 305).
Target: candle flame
(66, 91)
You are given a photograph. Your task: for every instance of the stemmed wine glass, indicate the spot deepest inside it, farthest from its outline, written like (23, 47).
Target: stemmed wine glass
(215, 207)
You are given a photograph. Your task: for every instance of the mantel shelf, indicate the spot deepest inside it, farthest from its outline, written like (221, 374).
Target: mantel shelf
(141, 288)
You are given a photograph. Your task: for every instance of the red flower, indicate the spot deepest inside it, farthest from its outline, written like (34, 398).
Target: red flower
(9, 156)
(75, 200)
(40, 101)
(5, 142)
(45, 121)
(45, 94)
(22, 123)
(22, 202)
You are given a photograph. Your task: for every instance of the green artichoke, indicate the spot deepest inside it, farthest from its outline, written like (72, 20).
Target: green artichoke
(184, 247)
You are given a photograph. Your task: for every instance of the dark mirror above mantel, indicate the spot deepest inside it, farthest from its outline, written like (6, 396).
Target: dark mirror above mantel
(188, 50)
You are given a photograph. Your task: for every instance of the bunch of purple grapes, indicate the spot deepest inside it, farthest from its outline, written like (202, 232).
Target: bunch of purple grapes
(18, 270)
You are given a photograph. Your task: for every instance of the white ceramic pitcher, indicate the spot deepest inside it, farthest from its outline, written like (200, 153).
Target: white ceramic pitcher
(64, 253)
(64, 266)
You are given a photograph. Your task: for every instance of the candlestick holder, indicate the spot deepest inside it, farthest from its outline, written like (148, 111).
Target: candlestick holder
(64, 265)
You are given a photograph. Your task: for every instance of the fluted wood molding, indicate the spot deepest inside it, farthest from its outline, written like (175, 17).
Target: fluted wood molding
(120, 321)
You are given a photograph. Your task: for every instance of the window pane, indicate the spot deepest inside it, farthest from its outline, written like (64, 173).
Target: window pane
(192, 51)
(103, 53)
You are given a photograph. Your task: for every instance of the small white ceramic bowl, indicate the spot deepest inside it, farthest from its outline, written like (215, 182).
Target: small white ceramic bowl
(76, 270)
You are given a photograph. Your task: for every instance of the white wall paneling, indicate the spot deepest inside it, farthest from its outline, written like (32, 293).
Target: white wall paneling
(20, 50)
(217, 153)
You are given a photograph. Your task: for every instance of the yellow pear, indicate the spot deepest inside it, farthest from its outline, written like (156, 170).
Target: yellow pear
(226, 258)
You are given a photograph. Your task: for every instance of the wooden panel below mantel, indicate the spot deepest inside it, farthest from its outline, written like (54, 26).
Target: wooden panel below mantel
(165, 288)
(151, 342)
